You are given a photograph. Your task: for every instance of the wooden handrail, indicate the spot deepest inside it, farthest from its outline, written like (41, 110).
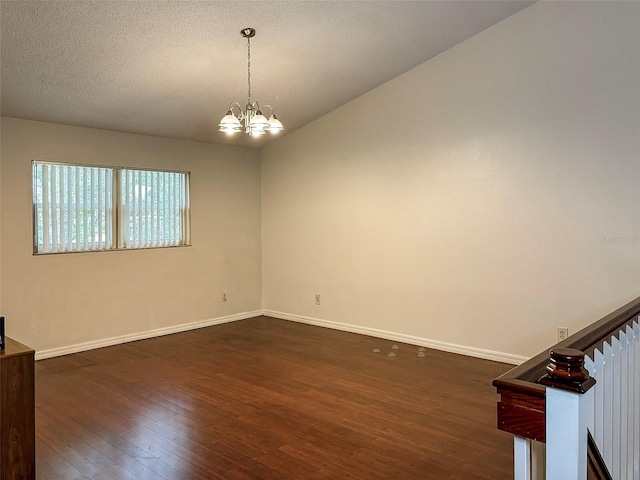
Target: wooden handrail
(521, 408)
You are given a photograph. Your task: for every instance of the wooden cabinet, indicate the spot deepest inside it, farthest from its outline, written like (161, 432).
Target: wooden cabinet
(17, 412)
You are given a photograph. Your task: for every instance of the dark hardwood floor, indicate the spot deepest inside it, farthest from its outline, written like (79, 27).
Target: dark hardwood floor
(267, 399)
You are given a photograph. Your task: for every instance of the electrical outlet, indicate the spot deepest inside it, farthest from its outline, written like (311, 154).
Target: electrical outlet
(317, 299)
(224, 297)
(563, 333)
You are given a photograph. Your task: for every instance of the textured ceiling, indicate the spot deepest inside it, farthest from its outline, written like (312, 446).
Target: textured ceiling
(171, 69)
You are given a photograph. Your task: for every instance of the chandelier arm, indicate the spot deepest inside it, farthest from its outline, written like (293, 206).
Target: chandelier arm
(233, 105)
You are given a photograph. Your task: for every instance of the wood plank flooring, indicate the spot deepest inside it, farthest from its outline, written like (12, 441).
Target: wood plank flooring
(263, 399)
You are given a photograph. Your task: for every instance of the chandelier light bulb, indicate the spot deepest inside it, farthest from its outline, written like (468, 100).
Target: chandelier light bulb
(229, 121)
(275, 125)
(229, 130)
(259, 121)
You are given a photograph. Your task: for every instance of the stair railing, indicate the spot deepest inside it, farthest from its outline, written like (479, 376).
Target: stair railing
(585, 386)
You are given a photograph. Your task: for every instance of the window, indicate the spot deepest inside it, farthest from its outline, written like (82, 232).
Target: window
(83, 208)
(155, 208)
(73, 208)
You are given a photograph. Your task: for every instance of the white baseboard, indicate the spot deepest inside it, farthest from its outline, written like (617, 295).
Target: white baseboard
(400, 337)
(346, 327)
(158, 332)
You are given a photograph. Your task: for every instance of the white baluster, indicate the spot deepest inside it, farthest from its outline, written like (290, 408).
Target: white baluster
(521, 458)
(636, 396)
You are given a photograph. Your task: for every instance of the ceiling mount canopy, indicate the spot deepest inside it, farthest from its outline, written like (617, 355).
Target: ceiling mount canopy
(248, 32)
(252, 119)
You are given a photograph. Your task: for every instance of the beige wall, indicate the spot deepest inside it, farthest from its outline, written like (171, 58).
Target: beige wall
(475, 203)
(480, 200)
(58, 301)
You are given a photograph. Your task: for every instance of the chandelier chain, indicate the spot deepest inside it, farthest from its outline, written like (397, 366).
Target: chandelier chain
(249, 69)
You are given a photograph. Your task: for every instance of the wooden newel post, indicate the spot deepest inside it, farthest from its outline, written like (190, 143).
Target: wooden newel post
(568, 404)
(566, 370)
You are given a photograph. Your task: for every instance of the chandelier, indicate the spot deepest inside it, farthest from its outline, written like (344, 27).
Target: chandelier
(251, 119)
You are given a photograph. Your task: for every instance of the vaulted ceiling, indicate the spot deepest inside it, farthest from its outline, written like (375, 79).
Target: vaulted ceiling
(171, 68)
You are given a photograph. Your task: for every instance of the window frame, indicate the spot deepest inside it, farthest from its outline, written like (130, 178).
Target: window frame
(118, 172)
